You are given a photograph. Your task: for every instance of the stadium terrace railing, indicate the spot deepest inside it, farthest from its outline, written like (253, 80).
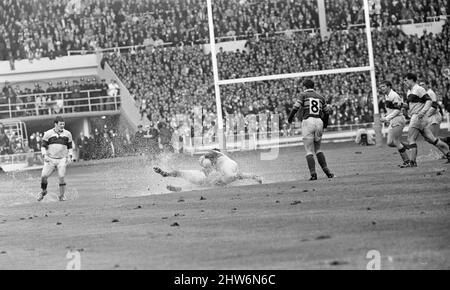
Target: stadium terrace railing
(132, 48)
(118, 49)
(59, 103)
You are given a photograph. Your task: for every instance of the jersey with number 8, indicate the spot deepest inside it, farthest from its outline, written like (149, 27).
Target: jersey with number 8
(311, 103)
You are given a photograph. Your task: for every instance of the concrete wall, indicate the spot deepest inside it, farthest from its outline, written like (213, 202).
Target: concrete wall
(43, 69)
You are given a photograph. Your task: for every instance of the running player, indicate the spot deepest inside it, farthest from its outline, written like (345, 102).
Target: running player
(395, 118)
(57, 153)
(434, 114)
(313, 107)
(419, 103)
(217, 169)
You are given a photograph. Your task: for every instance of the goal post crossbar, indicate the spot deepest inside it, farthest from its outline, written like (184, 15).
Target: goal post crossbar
(295, 75)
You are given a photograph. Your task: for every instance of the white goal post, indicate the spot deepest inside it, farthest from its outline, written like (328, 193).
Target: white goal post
(218, 82)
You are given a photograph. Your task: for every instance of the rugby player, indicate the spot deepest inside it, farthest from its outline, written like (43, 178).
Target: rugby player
(395, 118)
(217, 169)
(419, 103)
(313, 108)
(57, 152)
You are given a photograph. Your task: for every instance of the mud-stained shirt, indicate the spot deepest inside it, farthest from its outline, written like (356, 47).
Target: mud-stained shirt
(57, 144)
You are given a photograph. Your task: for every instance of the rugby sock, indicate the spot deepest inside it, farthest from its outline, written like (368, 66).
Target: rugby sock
(323, 163)
(311, 164)
(413, 148)
(403, 154)
(44, 186)
(62, 189)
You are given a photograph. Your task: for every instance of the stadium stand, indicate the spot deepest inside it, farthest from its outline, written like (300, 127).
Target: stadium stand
(170, 81)
(35, 29)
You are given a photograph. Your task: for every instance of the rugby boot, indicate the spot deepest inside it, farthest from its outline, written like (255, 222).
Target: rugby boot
(42, 194)
(313, 177)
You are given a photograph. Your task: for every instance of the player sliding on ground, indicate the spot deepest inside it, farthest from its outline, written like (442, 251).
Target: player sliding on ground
(420, 104)
(217, 169)
(313, 108)
(57, 153)
(396, 119)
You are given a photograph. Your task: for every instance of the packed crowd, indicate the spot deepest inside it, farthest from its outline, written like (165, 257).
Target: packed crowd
(49, 28)
(170, 81)
(299, 53)
(63, 97)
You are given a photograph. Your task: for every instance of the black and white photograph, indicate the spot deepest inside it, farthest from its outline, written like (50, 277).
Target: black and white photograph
(224, 141)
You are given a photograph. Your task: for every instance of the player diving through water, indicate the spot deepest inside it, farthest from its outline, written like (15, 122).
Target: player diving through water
(217, 169)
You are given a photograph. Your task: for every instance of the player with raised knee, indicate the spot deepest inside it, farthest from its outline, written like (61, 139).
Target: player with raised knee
(216, 169)
(395, 118)
(57, 152)
(419, 103)
(313, 108)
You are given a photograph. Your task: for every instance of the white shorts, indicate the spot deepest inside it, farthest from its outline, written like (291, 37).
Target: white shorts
(418, 123)
(312, 128)
(53, 163)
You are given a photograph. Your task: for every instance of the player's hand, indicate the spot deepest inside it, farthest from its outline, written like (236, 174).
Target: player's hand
(383, 119)
(69, 159)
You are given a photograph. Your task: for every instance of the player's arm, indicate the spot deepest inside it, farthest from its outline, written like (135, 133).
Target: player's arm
(294, 111)
(434, 105)
(44, 146)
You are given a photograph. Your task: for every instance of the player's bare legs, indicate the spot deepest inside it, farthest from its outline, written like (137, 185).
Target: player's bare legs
(413, 133)
(442, 146)
(428, 135)
(62, 183)
(322, 160)
(393, 140)
(242, 176)
(435, 128)
(44, 184)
